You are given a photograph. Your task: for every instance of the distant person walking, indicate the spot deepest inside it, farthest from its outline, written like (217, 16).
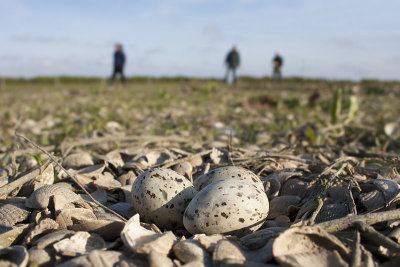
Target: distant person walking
(232, 62)
(119, 61)
(277, 63)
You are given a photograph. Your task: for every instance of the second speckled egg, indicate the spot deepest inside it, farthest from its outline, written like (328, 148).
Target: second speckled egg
(226, 172)
(231, 206)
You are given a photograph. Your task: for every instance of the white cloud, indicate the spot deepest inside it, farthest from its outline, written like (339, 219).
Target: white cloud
(213, 33)
(344, 43)
(154, 51)
(11, 10)
(28, 38)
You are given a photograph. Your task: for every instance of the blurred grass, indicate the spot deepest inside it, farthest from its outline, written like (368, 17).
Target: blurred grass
(77, 107)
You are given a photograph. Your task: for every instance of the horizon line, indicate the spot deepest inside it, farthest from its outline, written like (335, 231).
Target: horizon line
(266, 77)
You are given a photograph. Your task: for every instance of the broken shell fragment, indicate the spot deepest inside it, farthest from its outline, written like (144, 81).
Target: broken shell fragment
(272, 187)
(100, 195)
(261, 237)
(47, 176)
(43, 227)
(332, 211)
(105, 180)
(232, 251)
(109, 230)
(209, 241)
(379, 193)
(157, 259)
(15, 235)
(183, 168)
(78, 160)
(196, 161)
(67, 216)
(303, 246)
(78, 244)
(283, 176)
(10, 214)
(100, 258)
(227, 249)
(280, 205)
(191, 250)
(294, 187)
(142, 241)
(127, 178)
(40, 198)
(52, 238)
(162, 244)
(14, 256)
(92, 170)
(41, 257)
(124, 209)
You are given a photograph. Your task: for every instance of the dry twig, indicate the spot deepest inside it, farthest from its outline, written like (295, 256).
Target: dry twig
(5, 173)
(230, 149)
(356, 256)
(326, 184)
(373, 236)
(67, 146)
(347, 222)
(174, 162)
(22, 152)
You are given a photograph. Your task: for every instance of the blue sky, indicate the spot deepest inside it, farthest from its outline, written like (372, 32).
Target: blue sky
(341, 39)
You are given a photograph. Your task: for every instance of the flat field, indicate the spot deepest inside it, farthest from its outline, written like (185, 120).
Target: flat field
(294, 112)
(325, 153)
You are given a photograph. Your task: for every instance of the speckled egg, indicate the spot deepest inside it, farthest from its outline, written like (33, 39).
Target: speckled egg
(232, 206)
(226, 172)
(161, 196)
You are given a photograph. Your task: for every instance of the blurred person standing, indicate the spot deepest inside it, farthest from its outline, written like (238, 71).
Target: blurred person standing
(119, 62)
(277, 63)
(232, 62)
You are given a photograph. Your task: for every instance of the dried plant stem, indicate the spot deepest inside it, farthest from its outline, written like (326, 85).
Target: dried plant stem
(282, 156)
(347, 222)
(356, 256)
(373, 236)
(230, 159)
(264, 166)
(337, 163)
(5, 173)
(322, 194)
(22, 152)
(320, 203)
(173, 163)
(90, 141)
(267, 156)
(22, 179)
(230, 149)
(332, 128)
(70, 176)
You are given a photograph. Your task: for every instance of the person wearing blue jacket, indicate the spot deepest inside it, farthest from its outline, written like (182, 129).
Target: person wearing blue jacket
(277, 63)
(119, 61)
(232, 62)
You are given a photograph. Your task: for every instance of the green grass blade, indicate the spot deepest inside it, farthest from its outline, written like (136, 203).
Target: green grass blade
(336, 106)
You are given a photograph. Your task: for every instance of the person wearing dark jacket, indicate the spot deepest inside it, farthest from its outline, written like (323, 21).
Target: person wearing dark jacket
(277, 63)
(232, 62)
(119, 61)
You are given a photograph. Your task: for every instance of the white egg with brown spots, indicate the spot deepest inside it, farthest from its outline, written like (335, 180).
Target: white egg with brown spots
(161, 196)
(226, 172)
(233, 206)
